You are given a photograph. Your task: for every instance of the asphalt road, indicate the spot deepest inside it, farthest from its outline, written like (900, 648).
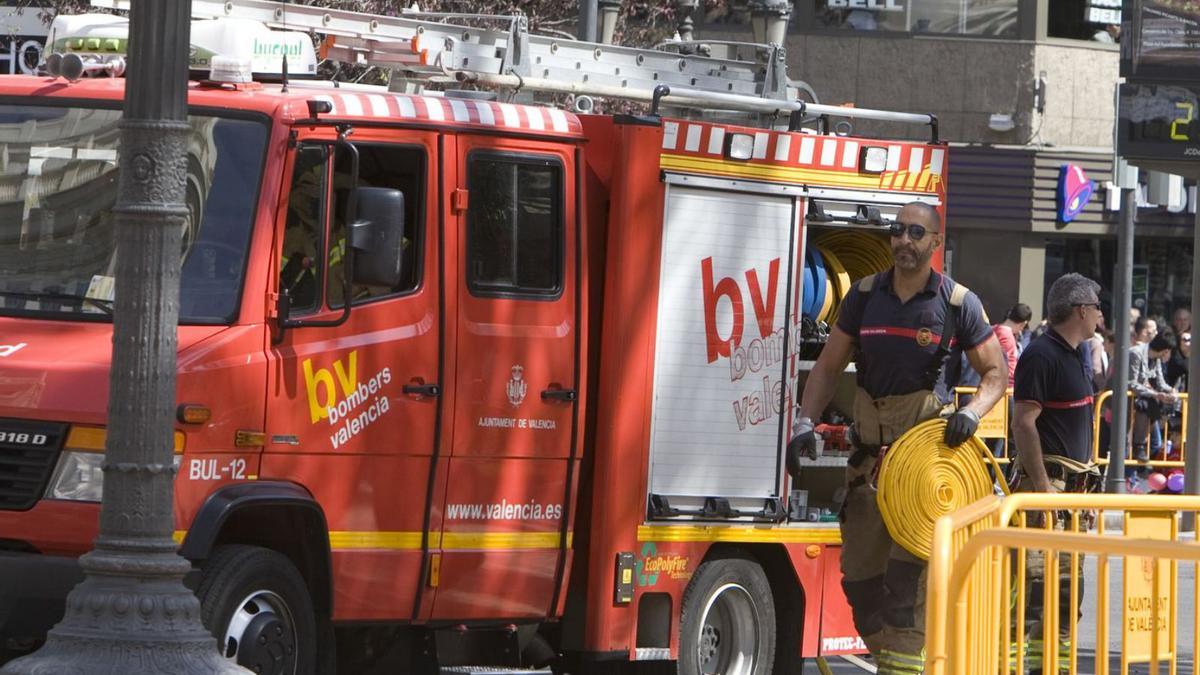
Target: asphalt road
(1185, 597)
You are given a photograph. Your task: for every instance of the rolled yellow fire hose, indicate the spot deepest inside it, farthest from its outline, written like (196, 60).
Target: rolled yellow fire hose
(860, 253)
(839, 279)
(848, 256)
(921, 480)
(826, 312)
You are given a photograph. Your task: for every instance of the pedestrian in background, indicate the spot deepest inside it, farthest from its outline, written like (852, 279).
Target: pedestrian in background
(1175, 420)
(1185, 348)
(1009, 333)
(1098, 344)
(1176, 366)
(1039, 330)
(1181, 321)
(959, 373)
(1144, 330)
(1153, 397)
(1110, 350)
(1052, 423)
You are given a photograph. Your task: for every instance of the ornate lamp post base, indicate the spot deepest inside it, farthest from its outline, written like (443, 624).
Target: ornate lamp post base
(111, 628)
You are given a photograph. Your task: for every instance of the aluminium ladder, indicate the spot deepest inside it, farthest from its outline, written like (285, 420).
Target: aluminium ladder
(499, 52)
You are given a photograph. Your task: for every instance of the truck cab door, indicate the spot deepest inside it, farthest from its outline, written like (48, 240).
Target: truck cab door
(503, 542)
(350, 412)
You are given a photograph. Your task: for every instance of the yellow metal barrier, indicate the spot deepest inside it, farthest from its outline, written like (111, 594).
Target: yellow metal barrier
(1162, 460)
(994, 425)
(978, 593)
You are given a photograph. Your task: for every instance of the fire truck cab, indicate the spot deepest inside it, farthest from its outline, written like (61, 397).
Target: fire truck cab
(468, 379)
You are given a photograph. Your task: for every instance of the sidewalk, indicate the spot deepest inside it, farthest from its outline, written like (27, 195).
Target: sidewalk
(1114, 521)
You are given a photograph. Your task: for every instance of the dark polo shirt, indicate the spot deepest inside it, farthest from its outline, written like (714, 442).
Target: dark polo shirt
(897, 340)
(1053, 375)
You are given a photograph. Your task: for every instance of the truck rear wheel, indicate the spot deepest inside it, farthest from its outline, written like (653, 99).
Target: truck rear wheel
(728, 621)
(256, 604)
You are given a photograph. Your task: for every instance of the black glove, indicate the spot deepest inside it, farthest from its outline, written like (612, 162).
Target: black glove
(961, 426)
(803, 444)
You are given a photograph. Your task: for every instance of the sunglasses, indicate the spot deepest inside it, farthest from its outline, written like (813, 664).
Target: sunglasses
(1087, 304)
(915, 232)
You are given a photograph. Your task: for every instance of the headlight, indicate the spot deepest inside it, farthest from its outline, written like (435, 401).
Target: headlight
(78, 477)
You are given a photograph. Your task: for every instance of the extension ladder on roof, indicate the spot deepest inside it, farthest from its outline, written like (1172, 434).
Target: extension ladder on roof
(499, 52)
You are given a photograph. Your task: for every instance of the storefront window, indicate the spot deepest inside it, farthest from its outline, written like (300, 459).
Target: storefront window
(1093, 20)
(1162, 271)
(991, 18)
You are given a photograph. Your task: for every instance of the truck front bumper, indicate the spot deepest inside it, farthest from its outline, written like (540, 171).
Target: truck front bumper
(33, 592)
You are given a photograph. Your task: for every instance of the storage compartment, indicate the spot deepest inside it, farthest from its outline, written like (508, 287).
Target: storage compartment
(820, 491)
(836, 257)
(740, 322)
(722, 386)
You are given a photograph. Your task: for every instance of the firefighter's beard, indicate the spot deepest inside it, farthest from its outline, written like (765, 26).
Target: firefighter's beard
(910, 256)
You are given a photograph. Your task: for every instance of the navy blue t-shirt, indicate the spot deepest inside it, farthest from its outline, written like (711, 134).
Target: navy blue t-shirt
(898, 341)
(1051, 374)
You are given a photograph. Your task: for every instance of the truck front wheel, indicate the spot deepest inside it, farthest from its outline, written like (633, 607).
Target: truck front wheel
(256, 604)
(728, 621)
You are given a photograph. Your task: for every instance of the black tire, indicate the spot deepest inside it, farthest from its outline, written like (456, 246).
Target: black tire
(728, 620)
(259, 591)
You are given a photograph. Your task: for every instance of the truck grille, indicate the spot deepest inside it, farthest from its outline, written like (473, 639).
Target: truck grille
(28, 451)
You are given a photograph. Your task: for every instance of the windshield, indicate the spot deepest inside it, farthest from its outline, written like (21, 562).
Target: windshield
(58, 185)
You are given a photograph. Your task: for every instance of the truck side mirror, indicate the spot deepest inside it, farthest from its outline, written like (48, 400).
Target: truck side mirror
(377, 236)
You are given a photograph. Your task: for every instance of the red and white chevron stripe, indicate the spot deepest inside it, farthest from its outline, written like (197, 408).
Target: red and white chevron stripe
(811, 151)
(444, 110)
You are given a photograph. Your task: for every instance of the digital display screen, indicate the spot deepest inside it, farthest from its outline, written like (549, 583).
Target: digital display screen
(1159, 122)
(1160, 40)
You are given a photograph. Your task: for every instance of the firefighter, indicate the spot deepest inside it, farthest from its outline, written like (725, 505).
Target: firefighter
(901, 322)
(1052, 423)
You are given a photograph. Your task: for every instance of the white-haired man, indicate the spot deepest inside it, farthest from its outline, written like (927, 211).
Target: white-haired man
(1052, 425)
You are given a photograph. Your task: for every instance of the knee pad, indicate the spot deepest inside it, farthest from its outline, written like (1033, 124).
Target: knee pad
(901, 581)
(866, 603)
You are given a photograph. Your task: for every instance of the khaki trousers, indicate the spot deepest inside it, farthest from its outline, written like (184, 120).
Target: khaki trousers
(883, 582)
(1035, 588)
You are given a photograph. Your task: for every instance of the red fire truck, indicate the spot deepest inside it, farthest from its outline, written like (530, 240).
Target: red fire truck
(540, 419)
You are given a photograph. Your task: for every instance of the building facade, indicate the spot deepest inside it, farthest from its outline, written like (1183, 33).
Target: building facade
(1022, 89)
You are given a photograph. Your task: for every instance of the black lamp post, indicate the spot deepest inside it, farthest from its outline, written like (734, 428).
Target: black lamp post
(609, 9)
(132, 613)
(769, 20)
(686, 9)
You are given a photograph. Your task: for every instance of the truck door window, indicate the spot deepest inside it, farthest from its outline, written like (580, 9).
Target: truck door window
(388, 166)
(514, 225)
(300, 271)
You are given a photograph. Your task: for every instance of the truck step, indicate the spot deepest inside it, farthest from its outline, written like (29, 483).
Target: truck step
(490, 670)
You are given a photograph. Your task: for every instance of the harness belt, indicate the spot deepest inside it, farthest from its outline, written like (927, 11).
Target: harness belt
(1076, 476)
(860, 455)
(880, 421)
(862, 452)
